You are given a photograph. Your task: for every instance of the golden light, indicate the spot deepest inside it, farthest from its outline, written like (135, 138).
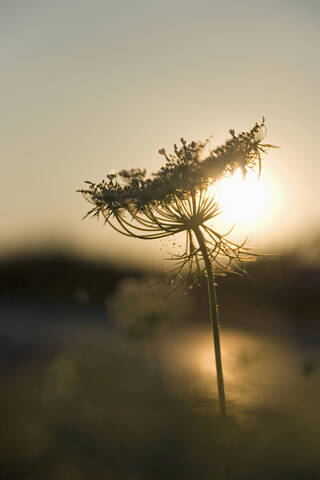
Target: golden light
(243, 199)
(242, 352)
(246, 201)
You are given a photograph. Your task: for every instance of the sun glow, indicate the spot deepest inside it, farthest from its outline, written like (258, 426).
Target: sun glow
(245, 201)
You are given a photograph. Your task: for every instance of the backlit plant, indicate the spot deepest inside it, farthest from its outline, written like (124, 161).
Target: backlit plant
(176, 200)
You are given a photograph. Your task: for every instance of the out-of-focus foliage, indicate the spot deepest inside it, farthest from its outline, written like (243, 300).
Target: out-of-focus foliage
(81, 398)
(95, 409)
(54, 276)
(139, 308)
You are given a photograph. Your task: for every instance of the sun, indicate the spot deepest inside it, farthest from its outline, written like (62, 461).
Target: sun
(244, 201)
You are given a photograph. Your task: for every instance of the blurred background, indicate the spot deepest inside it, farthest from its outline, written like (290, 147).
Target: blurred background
(102, 374)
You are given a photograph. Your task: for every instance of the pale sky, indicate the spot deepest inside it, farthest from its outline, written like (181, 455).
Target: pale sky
(90, 86)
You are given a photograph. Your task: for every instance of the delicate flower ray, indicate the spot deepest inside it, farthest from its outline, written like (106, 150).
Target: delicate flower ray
(175, 200)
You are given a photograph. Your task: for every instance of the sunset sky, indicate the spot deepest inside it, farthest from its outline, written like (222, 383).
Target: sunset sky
(87, 87)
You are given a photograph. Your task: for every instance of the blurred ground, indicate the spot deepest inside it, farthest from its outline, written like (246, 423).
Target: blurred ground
(101, 378)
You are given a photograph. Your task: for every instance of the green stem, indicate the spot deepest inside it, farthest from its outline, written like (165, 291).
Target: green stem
(216, 340)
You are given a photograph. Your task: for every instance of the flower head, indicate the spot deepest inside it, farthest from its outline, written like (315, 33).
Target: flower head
(175, 199)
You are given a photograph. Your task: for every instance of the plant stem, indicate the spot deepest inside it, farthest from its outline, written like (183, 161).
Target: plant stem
(216, 341)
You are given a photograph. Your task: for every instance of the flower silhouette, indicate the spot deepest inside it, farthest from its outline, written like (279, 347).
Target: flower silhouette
(175, 200)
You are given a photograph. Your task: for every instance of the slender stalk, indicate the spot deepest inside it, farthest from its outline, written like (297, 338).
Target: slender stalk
(216, 341)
